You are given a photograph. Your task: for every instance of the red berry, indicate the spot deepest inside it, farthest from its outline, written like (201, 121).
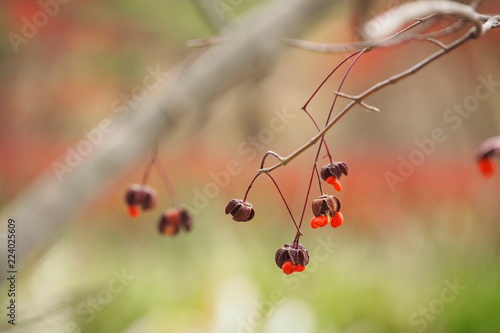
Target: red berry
(335, 182)
(133, 211)
(319, 221)
(299, 268)
(337, 220)
(486, 166)
(287, 268)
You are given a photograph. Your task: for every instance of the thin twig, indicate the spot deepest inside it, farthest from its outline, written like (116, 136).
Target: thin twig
(358, 100)
(147, 171)
(395, 39)
(315, 165)
(270, 152)
(454, 27)
(319, 129)
(392, 80)
(166, 181)
(304, 107)
(286, 204)
(437, 42)
(308, 192)
(250, 186)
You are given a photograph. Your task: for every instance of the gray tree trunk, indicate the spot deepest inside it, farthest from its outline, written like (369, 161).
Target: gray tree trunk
(44, 208)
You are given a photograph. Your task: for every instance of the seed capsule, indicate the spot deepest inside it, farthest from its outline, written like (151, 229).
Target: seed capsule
(332, 172)
(292, 257)
(139, 195)
(241, 211)
(335, 169)
(325, 205)
(173, 220)
(485, 154)
(326, 209)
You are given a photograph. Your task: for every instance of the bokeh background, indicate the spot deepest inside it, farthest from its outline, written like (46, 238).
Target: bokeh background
(420, 255)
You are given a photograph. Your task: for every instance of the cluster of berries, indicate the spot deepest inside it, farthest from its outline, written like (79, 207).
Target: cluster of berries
(144, 197)
(326, 208)
(294, 257)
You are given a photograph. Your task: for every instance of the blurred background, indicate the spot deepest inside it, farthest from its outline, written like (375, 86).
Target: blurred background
(418, 251)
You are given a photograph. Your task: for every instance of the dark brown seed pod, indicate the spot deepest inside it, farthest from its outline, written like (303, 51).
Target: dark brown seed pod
(325, 205)
(173, 220)
(241, 211)
(335, 169)
(485, 154)
(489, 148)
(297, 254)
(140, 195)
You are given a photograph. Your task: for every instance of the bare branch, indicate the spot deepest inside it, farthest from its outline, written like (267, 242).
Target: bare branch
(384, 31)
(358, 99)
(396, 17)
(437, 42)
(395, 39)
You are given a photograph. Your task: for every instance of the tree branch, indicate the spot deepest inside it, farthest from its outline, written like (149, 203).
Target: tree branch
(389, 22)
(358, 99)
(48, 205)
